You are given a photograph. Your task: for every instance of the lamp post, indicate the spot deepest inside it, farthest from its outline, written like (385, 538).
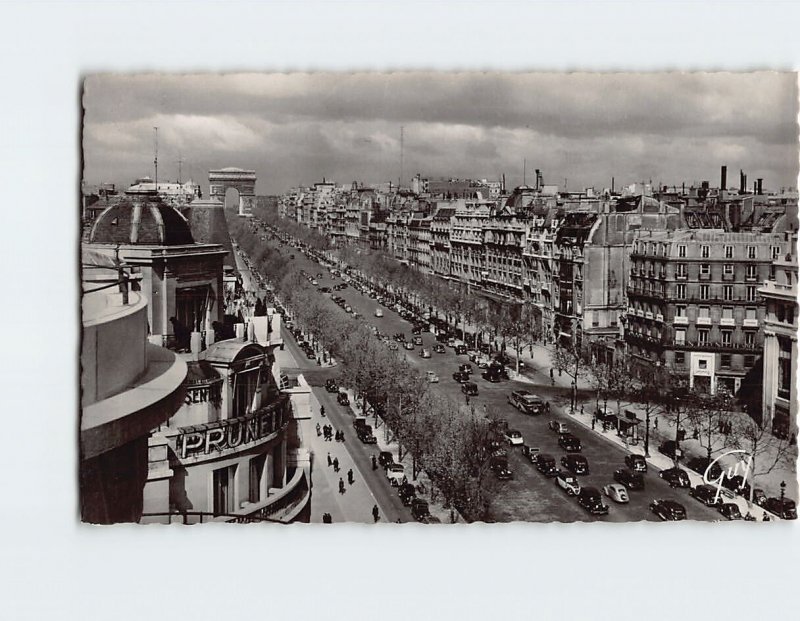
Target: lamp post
(783, 493)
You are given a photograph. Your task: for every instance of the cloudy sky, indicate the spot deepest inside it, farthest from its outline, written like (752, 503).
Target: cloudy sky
(294, 129)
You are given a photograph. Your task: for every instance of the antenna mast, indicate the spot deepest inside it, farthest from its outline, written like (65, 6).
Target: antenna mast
(400, 184)
(180, 167)
(524, 169)
(155, 159)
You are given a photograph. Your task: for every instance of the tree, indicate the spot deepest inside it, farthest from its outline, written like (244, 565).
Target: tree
(514, 332)
(648, 391)
(569, 359)
(710, 416)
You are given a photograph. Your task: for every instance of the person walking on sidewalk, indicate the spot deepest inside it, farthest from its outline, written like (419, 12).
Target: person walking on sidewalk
(376, 514)
(655, 423)
(594, 420)
(319, 430)
(350, 478)
(336, 464)
(374, 463)
(322, 411)
(342, 489)
(330, 461)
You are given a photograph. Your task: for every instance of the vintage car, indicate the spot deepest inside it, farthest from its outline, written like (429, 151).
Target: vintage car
(616, 492)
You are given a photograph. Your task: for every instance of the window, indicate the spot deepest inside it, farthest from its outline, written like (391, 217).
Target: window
(704, 292)
(680, 357)
(727, 292)
(727, 269)
(702, 337)
(750, 313)
(223, 490)
(704, 311)
(752, 272)
(749, 339)
(705, 270)
(790, 313)
(725, 361)
(681, 271)
(664, 248)
(776, 252)
(784, 367)
(704, 251)
(751, 252)
(256, 470)
(703, 364)
(727, 337)
(752, 293)
(728, 252)
(680, 291)
(680, 311)
(680, 337)
(749, 361)
(682, 251)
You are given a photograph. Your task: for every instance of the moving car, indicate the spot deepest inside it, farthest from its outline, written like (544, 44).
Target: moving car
(396, 474)
(628, 478)
(637, 463)
(461, 350)
(528, 403)
(569, 443)
(676, 477)
(557, 426)
(424, 353)
(575, 463)
(668, 510)
(616, 492)
(417, 340)
(331, 386)
(378, 312)
(513, 437)
(364, 433)
(408, 345)
(546, 464)
(439, 348)
(499, 465)
(568, 483)
(530, 452)
(784, 509)
(494, 373)
(730, 511)
(461, 377)
(343, 399)
(466, 367)
(385, 458)
(590, 499)
(706, 494)
(432, 377)
(470, 388)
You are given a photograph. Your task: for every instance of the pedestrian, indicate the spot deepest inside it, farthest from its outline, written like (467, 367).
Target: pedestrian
(336, 464)
(655, 423)
(319, 430)
(581, 409)
(350, 478)
(375, 513)
(322, 410)
(551, 374)
(330, 461)
(559, 372)
(342, 489)
(374, 463)
(593, 422)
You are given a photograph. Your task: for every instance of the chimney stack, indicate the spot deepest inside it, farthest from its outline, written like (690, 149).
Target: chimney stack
(723, 178)
(755, 187)
(760, 187)
(612, 185)
(742, 182)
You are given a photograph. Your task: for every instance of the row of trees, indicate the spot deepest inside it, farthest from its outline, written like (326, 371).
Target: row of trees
(445, 440)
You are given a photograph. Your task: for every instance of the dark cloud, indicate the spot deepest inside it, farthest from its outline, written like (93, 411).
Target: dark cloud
(292, 128)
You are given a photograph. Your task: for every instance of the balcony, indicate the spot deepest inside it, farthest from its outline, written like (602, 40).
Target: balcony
(282, 506)
(703, 321)
(727, 321)
(659, 317)
(648, 315)
(750, 323)
(682, 320)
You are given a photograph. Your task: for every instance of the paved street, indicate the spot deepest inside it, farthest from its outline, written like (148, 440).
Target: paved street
(530, 496)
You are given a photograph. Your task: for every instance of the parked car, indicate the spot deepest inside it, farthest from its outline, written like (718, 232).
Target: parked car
(432, 377)
(784, 509)
(439, 348)
(331, 386)
(470, 388)
(499, 466)
(494, 373)
(730, 511)
(759, 497)
(343, 399)
(407, 493)
(378, 312)
(676, 477)
(416, 329)
(590, 499)
(637, 463)
(528, 403)
(701, 464)
(394, 346)
(466, 367)
(396, 474)
(557, 426)
(546, 464)
(568, 483)
(399, 337)
(575, 463)
(513, 437)
(461, 377)
(460, 350)
(668, 510)
(364, 433)
(737, 485)
(628, 478)
(569, 443)
(417, 340)
(616, 492)
(419, 510)
(385, 458)
(530, 452)
(669, 449)
(424, 353)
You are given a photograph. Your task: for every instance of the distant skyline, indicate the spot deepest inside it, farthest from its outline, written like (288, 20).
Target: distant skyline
(294, 129)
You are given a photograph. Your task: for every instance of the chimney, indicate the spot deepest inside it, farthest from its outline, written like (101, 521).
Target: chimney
(742, 182)
(503, 185)
(723, 178)
(755, 187)
(538, 176)
(760, 187)
(612, 185)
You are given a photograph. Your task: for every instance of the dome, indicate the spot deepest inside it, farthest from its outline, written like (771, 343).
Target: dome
(148, 223)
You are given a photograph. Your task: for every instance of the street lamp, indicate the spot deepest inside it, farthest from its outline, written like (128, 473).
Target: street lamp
(783, 492)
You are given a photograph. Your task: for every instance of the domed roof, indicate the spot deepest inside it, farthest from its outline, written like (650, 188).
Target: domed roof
(144, 222)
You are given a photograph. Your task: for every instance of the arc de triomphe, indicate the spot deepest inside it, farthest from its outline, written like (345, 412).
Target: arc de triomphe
(243, 180)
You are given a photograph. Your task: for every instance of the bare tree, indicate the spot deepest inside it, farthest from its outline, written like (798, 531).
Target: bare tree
(570, 360)
(710, 418)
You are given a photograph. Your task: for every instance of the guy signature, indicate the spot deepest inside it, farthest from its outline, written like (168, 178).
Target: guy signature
(729, 473)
